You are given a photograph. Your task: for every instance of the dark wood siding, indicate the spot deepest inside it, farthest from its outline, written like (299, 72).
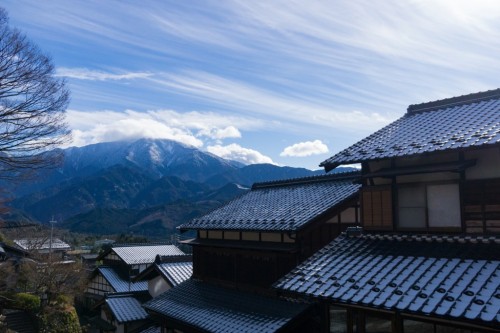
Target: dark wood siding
(376, 207)
(246, 267)
(482, 206)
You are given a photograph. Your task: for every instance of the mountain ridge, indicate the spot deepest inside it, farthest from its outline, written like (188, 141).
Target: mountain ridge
(132, 179)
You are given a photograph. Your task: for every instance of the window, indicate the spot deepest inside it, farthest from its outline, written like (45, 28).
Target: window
(416, 326)
(338, 319)
(443, 203)
(412, 206)
(429, 206)
(375, 324)
(413, 326)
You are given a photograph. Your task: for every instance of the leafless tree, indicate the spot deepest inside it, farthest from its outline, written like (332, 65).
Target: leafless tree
(40, 272)
(32, 105)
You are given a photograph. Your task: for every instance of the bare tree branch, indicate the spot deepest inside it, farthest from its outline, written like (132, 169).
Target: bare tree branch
(33, 102)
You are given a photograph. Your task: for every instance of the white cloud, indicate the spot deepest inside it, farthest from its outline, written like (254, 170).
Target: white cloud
(303, 149)
(124, 129)
(190, 128)
(94, 75)
(221, 133)
(237, 153)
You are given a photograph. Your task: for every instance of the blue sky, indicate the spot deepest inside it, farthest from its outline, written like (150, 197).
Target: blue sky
(288, 82)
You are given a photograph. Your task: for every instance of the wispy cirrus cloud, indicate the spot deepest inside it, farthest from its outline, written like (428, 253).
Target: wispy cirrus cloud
(307, 148)
(94, 75)
(237, 153)
(338, 69)
(257, 102)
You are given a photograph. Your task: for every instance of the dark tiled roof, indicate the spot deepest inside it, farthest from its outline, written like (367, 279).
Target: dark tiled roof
(152, 329)
(101, 324)
(216, 309)
(145, 254)
(280, 206)
(19, 321)
(455, 123)
(119, 283)
(455, 277)
(126, 309)
(176, 272)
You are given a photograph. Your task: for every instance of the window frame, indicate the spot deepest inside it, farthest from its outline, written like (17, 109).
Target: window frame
(427, 226)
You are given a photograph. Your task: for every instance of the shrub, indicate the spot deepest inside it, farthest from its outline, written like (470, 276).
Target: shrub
(59, 320)
(63, 299)
(27, 302)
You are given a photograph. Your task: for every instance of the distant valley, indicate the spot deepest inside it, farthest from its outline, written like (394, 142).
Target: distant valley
(146, 187)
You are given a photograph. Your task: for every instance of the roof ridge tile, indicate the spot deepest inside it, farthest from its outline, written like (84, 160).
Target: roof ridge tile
(309, 179)
(454, 101)
(464, 239)
(140, 244)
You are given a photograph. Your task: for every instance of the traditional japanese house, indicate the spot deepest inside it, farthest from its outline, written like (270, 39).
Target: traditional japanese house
(136, 257)
(258, 237)
(43, 245)
(240, 249)
(112, 289)
(166, 273)
(107, 280)
(123, 313)
(428, 256)
(120, 264)
(12, 252)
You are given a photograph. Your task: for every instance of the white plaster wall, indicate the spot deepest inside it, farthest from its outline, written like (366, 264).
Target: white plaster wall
(157, 286)
(487, 164)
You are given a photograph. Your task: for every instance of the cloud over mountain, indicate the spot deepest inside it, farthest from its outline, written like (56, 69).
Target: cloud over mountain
(306, 148)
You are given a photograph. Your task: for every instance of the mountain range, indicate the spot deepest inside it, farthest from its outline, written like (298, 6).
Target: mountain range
(147, 186)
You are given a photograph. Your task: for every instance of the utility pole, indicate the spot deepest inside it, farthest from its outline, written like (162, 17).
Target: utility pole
(51, 234)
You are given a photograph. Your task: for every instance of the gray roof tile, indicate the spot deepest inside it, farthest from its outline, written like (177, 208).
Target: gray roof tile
(438, 276)
(280, 206)
(176, 272)
(145, 253)
(455, 123)
(119, 283)
(152, 329)
(216, 309)
(126, 309)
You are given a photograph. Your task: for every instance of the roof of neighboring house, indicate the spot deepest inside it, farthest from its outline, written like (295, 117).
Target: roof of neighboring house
(41, 244)
(89, 256)
(285, 205)
(176, 272)
(134, 254)
(119, 283)
(216, 309)
(126, 308)
(151, 329)
(174, 269)
(455, 123)
(19, 321)
(13, 250)
(442, 276)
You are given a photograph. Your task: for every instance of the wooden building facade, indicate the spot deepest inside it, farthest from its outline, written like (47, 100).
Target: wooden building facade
(243, 247)
(428, 256)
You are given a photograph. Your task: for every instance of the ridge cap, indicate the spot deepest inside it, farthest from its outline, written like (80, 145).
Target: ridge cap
(453, 101)
(308, 179)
